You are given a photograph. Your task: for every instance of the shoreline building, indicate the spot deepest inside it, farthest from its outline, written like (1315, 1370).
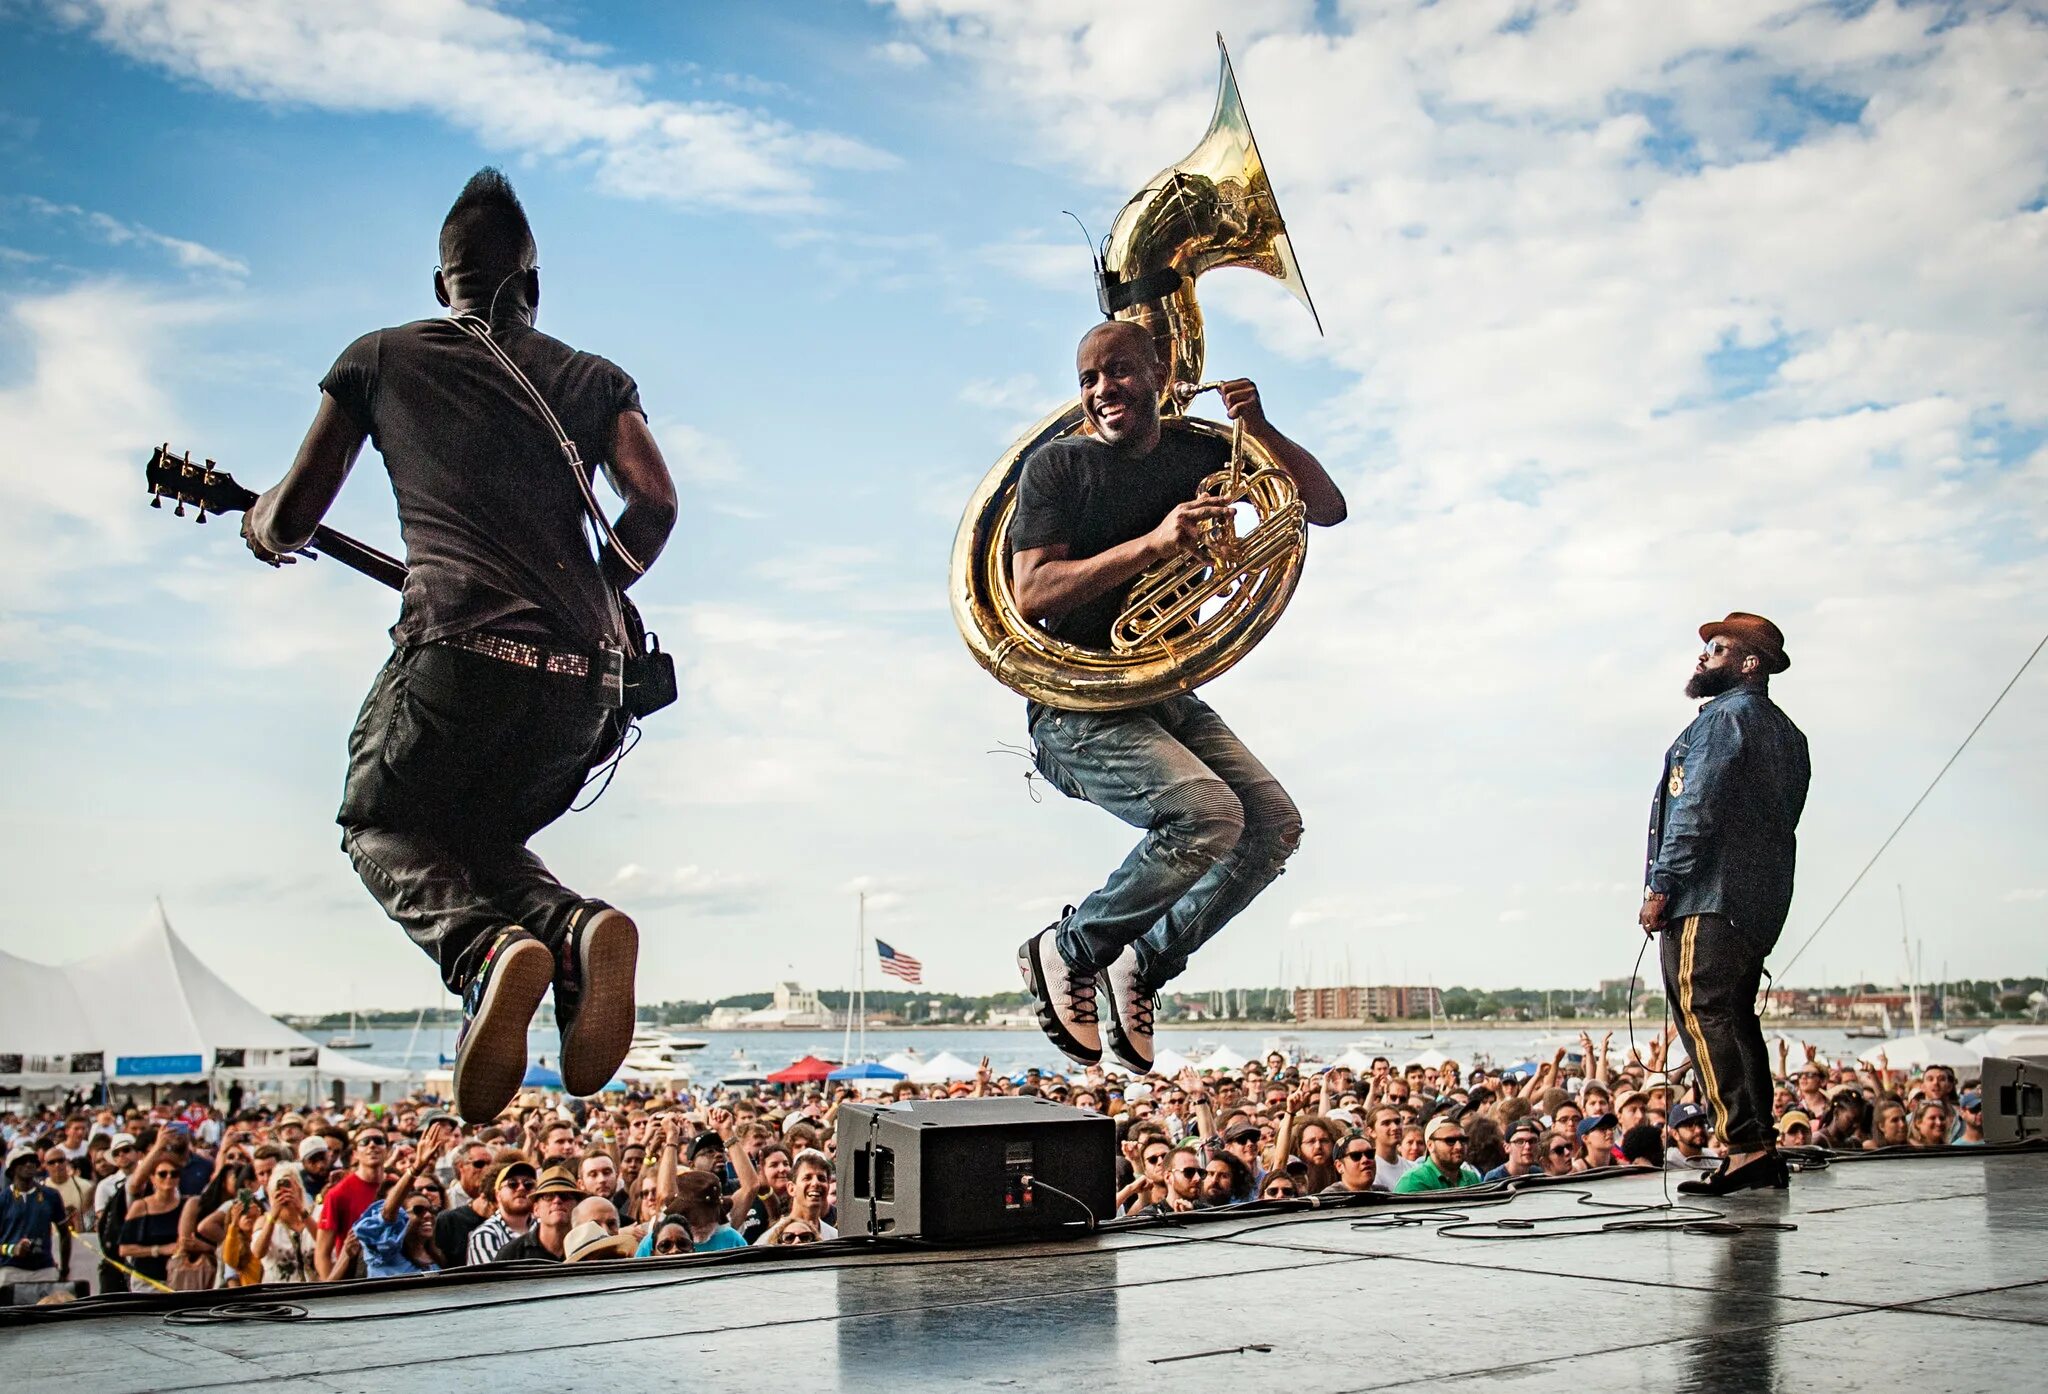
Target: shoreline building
(1352, 1005)
(794, 1008)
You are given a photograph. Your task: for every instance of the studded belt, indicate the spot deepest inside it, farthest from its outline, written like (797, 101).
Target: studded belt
(523, 654)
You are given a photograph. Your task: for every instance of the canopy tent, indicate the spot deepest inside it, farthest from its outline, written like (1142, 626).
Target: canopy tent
(943, 1068)
(1918, 1052)
(539, 1076)
(1431, 1059)
(809, 1070)
(869, 1070)
(1221, 1058)
(150, 1012)
(1354, 1060)
(2009, 1041)
(1168, 1063)
(903, 1061)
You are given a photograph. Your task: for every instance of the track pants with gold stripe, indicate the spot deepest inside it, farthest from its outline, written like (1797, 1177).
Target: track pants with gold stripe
(1711, 974)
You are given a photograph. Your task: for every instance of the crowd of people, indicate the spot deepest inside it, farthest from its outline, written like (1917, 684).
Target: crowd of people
(177, 1196)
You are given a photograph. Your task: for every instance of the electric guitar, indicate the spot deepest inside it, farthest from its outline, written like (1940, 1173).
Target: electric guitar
(211, 490)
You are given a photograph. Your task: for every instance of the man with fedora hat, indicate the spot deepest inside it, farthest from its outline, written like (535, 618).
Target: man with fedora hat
(1719, 882)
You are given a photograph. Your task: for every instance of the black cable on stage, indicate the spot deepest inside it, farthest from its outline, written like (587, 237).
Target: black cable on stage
(1787, 968)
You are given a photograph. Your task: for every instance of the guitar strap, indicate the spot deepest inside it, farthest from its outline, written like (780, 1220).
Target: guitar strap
(645, 677)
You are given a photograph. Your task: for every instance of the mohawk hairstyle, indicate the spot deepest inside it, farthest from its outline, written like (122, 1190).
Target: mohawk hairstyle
(486, 236)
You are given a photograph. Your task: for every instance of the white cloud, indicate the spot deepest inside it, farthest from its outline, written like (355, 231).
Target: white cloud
(76, 424)
(516, 84)
(899, 54)
(689, 887)
(188, 255)
(2026, 894)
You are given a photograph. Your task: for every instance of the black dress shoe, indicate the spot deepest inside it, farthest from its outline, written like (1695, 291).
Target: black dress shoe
(1756, 1174)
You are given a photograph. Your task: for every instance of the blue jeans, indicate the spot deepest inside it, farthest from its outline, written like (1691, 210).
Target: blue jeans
(1218, 828)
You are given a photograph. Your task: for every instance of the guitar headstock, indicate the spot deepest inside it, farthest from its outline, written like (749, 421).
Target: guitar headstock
(206, 488)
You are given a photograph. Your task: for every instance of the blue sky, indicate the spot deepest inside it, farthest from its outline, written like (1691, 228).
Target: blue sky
(1630, 323)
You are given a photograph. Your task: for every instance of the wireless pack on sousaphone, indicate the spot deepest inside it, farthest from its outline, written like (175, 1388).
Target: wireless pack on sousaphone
(1191, 618)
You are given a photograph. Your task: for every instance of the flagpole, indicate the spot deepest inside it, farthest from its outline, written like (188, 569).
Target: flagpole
(846, 1040)
(863, 918)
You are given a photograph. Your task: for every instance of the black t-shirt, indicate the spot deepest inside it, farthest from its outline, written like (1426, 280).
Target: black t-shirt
(1093, 496)
(452, 1228)
(527, 1245)
(492, 519)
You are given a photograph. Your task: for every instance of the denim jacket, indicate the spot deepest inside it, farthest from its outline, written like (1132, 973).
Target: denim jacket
(1722, 821)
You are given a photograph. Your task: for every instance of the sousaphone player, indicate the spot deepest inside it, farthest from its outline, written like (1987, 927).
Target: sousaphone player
(1099, 571)
(1093, 512)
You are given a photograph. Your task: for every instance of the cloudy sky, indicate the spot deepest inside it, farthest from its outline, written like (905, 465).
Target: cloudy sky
(1636, 314)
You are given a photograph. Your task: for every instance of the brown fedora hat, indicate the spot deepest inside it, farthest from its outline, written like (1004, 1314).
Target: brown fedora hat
(1754, 633)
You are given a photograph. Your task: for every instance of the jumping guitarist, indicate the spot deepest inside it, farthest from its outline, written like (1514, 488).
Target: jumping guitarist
(502, 690)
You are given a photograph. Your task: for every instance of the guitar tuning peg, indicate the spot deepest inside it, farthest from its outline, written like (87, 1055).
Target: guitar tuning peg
(156, 500)
(180, 510)
(201, 509)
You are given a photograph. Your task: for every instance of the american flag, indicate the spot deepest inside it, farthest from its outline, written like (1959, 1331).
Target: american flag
(898, 964)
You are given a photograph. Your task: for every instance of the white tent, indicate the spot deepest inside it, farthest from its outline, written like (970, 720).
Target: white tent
(943, 1068)
(904, 1062)
(1168, 1063)
(1918, 1052)
(2008, 1041)
(1221, 1058)
(1356, 1061)
(152, 1013)
(1431, 1059)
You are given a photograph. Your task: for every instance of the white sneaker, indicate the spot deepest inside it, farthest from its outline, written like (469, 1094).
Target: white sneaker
(1130, 1012)
(1066, 1000)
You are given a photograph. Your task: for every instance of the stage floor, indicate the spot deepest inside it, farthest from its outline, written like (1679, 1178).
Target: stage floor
(1929, 1274)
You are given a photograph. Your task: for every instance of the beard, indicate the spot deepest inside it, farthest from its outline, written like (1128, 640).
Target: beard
(1712, 682)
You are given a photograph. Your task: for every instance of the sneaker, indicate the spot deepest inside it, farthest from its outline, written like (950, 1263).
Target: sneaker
(594, 1004)
(497, 1006)
(1065, 999)
(1130, 1013)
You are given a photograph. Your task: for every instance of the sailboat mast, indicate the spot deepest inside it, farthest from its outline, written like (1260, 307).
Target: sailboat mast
(862, 917)
(1912, 968)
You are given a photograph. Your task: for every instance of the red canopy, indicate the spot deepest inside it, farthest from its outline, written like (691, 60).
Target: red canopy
(809, 1070)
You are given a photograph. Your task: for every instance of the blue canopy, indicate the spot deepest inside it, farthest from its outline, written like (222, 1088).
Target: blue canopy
(865, 1069)
(617, 1086)
(540, 1077)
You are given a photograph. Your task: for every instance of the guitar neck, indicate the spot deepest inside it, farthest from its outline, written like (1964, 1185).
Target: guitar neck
(359, 556)
(212, 489)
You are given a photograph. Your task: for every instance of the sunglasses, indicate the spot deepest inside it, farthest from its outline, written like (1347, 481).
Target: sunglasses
(420, 1212)
(1156, 1158)
(164, 1173)
(1189, 1172)
(1560, 1151)
(1281, 1193)
(517, 1183)
(671, 1246)
(1357, 1156)
(1458, 1141)
(372, 1141)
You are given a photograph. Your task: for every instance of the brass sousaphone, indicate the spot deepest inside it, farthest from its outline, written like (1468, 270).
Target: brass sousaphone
(1190, 618)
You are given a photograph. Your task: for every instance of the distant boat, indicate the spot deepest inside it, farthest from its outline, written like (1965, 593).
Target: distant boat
(1881, 1032)
(349, 1040)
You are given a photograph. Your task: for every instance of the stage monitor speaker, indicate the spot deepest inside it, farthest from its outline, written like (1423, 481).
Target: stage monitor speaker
(973, 1168)
(2012, 1091)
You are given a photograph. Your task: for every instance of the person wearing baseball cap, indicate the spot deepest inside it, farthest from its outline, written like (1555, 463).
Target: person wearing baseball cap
(1525, 1152)
(1718, 882)
(1444, 1169)
(1689, 1133)
(512, 1186)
